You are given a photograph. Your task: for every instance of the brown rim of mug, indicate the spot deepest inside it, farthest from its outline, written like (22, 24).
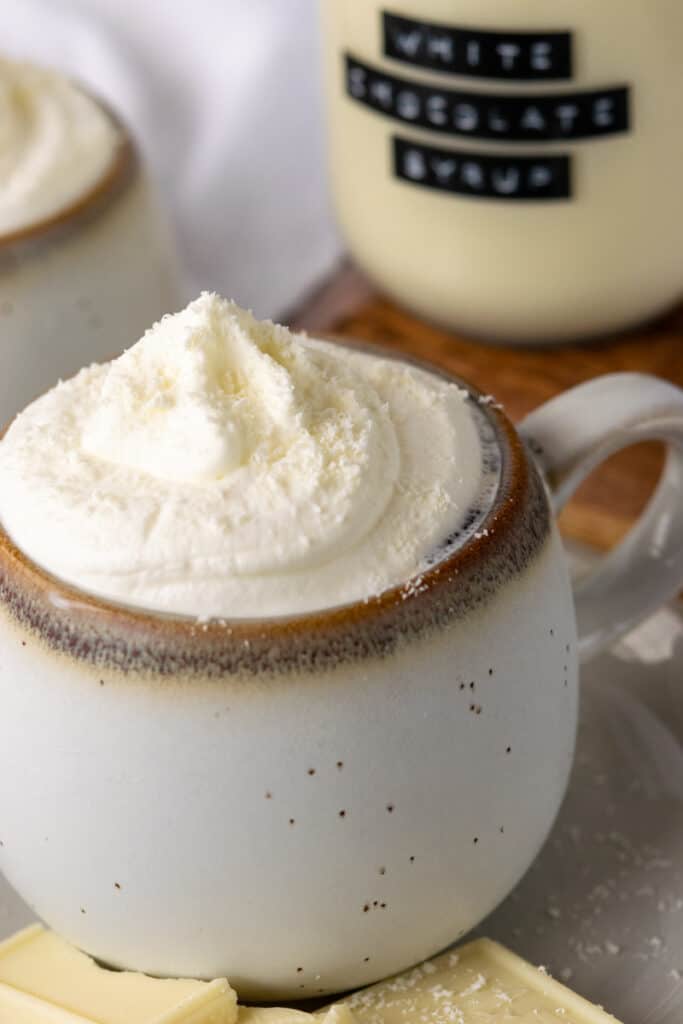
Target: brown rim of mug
(117, 177)
(513, 493)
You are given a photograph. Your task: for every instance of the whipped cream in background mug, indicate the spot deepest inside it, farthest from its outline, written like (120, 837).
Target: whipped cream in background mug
(289, 676)
(86, 259)
(511, 169)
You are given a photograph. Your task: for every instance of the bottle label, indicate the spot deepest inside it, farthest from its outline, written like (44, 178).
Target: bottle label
(509, 117)
(511, 56)
(539, 118)
(480, 175)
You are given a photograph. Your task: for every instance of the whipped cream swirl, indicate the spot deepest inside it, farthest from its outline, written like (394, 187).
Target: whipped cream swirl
(224, 467)
(56, 143)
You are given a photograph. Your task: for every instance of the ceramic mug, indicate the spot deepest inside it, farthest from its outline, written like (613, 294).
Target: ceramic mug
(79, 286)
(309, 804)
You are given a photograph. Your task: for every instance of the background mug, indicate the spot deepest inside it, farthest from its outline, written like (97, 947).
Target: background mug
(309, 804)
(511, 170)
(80, 286)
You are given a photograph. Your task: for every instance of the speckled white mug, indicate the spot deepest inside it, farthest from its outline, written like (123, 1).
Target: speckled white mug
(309, 804)
(80, 286)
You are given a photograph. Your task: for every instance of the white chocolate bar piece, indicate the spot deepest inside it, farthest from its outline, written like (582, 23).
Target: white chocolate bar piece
(480, 983)
(335, 1014)
(44, 980)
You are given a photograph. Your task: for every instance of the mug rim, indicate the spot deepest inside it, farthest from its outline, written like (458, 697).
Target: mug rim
(499, 520)
(117, 176)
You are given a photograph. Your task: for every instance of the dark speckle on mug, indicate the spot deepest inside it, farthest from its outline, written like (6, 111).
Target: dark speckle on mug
(475, 840)
(366, 959)
(268, 795)
(412, 859)
(82, 910)
(311, 771)
(390, 808)
(340, 765)
(299, 970)
(382, 871)
(117, 886)
(374, 905)
(342, 814)
(292, 821)
(508, 750)
(490, 671)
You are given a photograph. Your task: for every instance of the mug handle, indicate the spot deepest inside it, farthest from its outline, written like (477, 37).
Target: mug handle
(571, 435)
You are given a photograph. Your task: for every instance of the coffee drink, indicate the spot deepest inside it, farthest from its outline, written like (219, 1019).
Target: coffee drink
(239, 470)
(86, 259)
(289, 671)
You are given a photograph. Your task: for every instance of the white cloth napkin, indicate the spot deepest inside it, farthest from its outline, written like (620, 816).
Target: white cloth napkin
(225, 98)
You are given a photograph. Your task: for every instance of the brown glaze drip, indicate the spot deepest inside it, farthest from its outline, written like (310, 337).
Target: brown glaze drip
(126, 640)
(120, 174)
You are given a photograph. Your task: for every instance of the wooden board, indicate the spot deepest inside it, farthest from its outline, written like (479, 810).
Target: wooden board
(522, 379)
